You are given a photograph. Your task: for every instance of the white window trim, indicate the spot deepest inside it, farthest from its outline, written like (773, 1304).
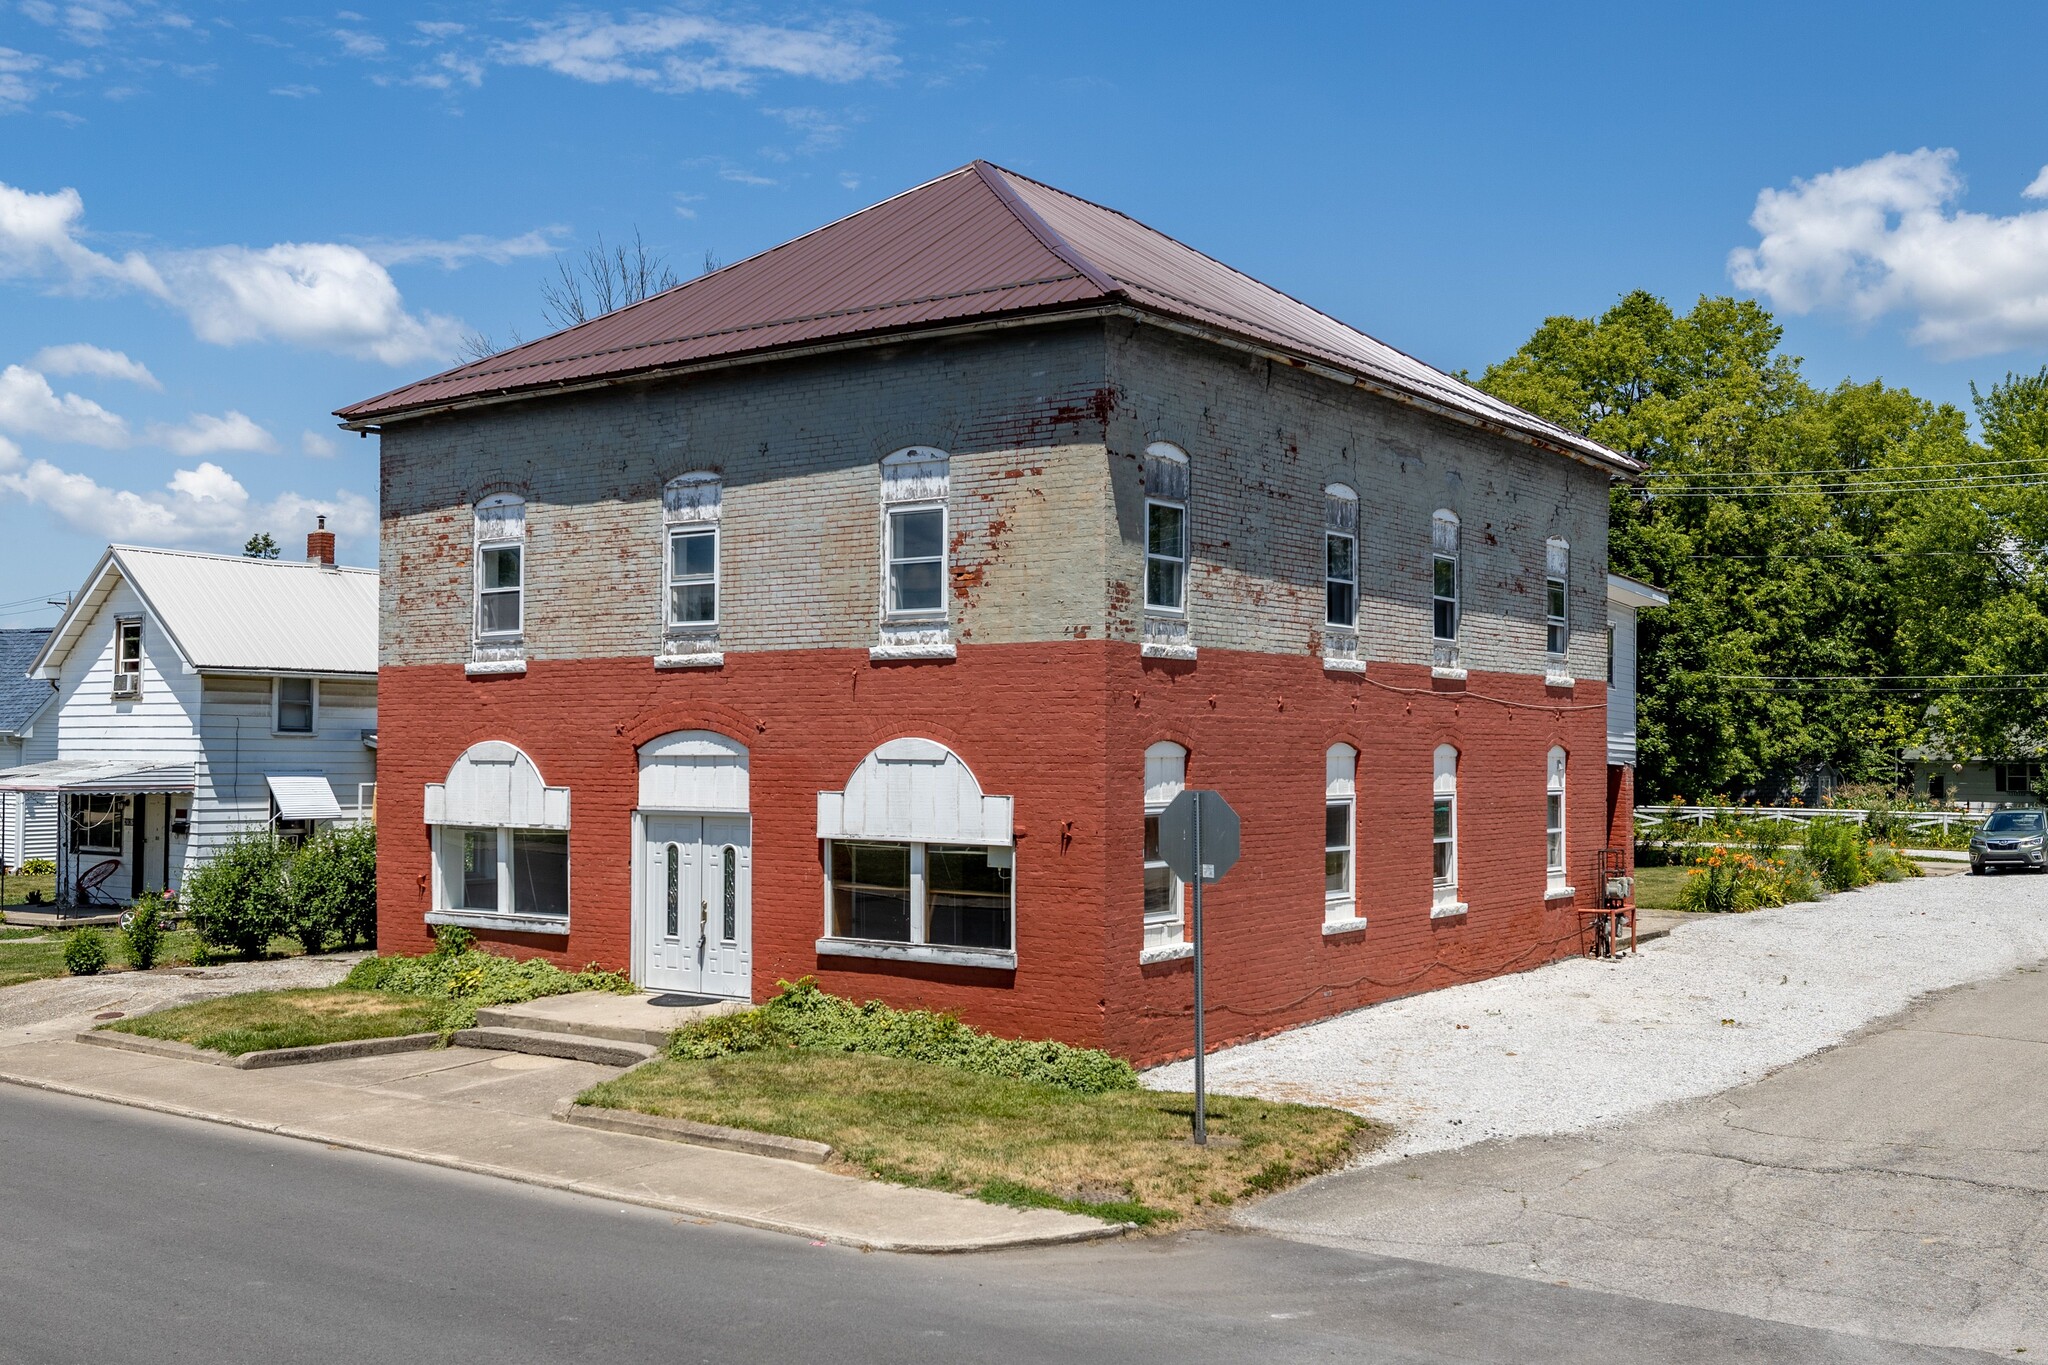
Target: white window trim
(119, 824)
(1561, 625)
(1165, 949)
(1329, 578)
(917, 949)
(277, 709)
(1435, 597)
(1555, 873)
(930, 616)
(132, 689)
(507, 920)
(1444, 902)
(484, 547)
(670, 583)
(1156, 608)
(1342, 905)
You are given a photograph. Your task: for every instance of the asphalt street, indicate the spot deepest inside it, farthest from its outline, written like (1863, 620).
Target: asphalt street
(126, 1236)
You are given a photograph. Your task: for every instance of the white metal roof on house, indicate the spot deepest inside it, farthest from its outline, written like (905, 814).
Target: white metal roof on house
(1633, 592)
(230, 613)
(90, 775)
(303, 798)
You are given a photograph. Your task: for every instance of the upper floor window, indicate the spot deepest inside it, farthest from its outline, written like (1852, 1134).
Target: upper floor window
(1553, 820)
(128, 657)
(1340, 556)
(1340, 785)
(1166, 772)
(690, 513)
(1166, 527)
(1443, 536)
(916, 482)
(500, 566)
(1556, 576)
(294, 701)
(1610, 653)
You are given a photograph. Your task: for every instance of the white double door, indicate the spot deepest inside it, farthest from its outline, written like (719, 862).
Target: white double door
(696, 904)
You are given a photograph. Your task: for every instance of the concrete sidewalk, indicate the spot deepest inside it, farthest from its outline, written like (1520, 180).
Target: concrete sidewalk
(441, 1108)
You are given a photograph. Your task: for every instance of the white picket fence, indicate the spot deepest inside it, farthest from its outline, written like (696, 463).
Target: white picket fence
(1942, 820)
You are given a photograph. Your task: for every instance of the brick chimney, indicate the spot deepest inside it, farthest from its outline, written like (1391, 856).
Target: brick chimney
(320, 545)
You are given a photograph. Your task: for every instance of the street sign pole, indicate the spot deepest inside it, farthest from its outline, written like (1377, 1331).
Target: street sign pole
(1201, 1042)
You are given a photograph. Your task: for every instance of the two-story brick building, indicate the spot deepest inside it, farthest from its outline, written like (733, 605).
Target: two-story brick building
(852, 610)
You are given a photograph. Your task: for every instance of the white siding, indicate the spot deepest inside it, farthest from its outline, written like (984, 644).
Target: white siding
(1621, 694)
(239, 749)
(89, 722)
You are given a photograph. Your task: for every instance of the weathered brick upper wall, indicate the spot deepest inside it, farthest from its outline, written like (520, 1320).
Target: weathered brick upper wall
(1264, 440)
(798, 446)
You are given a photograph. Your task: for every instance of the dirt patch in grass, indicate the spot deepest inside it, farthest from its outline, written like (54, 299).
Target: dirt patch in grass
(260, 1020)
(1123, 1156)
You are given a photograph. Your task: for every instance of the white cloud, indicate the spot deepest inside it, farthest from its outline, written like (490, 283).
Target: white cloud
(320, 295)
(10, 454)
(39, 237)
(78, 358)
(29, 407)
(295, 92)
(201, 506)
(1885, 237)
(439, 29)
(316, 445)
(687, 52)
(357, 44)
(203, 434)
(740, 177)
(15, 88)
(2038, 188)
(457, 251)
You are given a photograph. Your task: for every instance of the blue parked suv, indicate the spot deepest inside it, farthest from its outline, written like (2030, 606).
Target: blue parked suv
(2010, 838)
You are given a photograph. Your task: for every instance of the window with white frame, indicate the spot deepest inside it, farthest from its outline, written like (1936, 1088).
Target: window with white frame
(1553, 822)
(1340, 557)
(941, 895)
(916, 485)
(1166, 773)
(294, 703)
(1443, 580)
(96, 823)
(690, 516)
(1340, 826)
(1166, 528)
(500, 567)
(128, 657)
(504, 870)
(1556, 581)
(1444, 832)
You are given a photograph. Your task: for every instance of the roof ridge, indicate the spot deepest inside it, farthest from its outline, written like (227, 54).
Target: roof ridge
(279, 563)
(991, 175)
(468, 367)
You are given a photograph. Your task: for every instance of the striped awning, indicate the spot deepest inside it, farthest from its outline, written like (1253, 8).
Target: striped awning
(97, 776)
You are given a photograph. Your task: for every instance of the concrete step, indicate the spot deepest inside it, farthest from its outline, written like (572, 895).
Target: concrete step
(603, 1051)
(595, 1014)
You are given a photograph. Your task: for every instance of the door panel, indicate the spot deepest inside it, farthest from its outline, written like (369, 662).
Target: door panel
(672, 861)
(696, 904)
(728, 885)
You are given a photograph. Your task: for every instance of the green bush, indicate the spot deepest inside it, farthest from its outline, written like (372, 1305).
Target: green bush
(331, 889)
(239, 899)
(85, 952)
(1836, 851)
(804, 1016)
(38, 867)
(1725, 881)
(469, 979)
(143, 938)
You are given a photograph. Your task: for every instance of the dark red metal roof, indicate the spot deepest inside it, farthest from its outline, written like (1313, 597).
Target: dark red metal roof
(980, 242)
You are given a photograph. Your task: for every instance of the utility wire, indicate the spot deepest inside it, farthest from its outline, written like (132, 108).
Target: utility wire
(1840, 470)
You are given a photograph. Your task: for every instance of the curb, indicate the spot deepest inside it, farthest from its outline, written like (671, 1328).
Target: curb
(697, 1134)
(256, 1061)
(551, 1182)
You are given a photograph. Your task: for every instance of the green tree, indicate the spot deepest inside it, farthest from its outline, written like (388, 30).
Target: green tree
(260, 546)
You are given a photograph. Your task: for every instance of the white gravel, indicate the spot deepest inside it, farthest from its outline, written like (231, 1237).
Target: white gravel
(1721, 1001)
(59, 1006)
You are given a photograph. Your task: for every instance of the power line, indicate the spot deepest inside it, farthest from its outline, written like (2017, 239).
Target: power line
(1841, 471)
(1857, 554)
(1866, 677)
(1864, 489)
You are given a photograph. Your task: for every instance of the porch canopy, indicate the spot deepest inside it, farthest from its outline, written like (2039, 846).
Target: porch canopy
(303, 798)
(98, 777)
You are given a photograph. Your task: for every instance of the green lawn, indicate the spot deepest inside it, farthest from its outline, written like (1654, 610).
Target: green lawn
(33, 958)
(1123, 1156)
(260, 1020)
(1657, 887)
(19, 886)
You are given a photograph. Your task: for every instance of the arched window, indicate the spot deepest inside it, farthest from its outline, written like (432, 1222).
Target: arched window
(501, 843)
(1443, 817)
(1553, 822)
(500, 568)
(1166, 776)
(1340, 834)
(1557, 561)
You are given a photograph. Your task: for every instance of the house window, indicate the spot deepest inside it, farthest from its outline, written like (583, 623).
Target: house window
(1553, 822)
(693, 576)
(1557, 573)
(1340, 823)
(1340, 580)
(1166, 528)
(128, 658)
(917, 560)
(1444, 834)
(1166, 766)
(951, 896)
(295, 700)
(1444, 576)
(507, 871)
(1610, 653)
(2015, 777)
(96, 823)
(500, 566)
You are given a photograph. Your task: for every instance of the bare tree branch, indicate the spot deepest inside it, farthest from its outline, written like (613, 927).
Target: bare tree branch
(603, 279)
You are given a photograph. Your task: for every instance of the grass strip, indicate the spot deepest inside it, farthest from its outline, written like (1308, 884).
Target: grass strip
(1123, 1155)
(260, 1020)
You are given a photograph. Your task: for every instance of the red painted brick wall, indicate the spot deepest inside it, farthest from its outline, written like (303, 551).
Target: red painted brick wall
(1062, 728)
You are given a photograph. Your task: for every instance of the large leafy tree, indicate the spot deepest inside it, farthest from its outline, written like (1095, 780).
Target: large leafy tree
(1793, 529)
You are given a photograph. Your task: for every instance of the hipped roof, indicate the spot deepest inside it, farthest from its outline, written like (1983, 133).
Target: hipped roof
(979, 243)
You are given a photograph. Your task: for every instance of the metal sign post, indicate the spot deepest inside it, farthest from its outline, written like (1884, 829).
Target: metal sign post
(1198, 838)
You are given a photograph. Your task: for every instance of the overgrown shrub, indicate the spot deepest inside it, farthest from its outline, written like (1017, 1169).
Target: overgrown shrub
(85, 951)
(468, 978)
(804, 1016)
(142, 938)
(1725, 881)
(238, 899)
(331, 889)
(38, 867)
(1836, 850)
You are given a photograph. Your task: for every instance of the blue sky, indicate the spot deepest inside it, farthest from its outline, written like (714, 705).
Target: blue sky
(219, 222)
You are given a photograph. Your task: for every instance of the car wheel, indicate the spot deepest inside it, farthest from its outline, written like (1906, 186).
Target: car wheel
(1976, 869)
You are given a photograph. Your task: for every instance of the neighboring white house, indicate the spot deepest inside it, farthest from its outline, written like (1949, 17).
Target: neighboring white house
(1625, 597)
(1976, 783)
(197, 695)
(28, 824)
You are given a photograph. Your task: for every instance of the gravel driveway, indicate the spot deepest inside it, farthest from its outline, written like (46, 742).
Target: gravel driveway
(1722, 1001)
(60, 1006)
